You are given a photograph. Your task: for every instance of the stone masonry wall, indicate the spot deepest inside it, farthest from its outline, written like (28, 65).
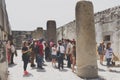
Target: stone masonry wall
(68, 31)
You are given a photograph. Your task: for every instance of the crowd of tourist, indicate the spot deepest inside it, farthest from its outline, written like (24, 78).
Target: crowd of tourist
(37, 52)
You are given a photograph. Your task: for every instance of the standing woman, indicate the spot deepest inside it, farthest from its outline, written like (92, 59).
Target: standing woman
(25, 57)
(8, 51)
(101, 52)
(54, 55)
(73, 56)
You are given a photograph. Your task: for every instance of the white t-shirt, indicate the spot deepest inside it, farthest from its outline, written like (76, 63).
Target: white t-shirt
(109, 53)
(54, 51)
(12, 48)
(62, 49)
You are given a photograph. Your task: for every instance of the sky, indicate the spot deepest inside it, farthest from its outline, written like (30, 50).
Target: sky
(29, 14)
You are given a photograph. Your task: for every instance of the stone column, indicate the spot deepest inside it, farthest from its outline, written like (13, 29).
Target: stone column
(86, 43)
(51, 30)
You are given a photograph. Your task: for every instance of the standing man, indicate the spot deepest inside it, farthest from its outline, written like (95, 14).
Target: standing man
(61, 51)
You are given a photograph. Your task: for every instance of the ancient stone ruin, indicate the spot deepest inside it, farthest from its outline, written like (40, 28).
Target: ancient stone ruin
(86, 43)
(51, 30)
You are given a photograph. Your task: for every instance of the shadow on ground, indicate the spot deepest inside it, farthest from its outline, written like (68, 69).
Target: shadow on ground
(29, 75)
(63, 70)
(41, 70)
(12, 65)
(114, 71)
(99, 78)
(102, 70)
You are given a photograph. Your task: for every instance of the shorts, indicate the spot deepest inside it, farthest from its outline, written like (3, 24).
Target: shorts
(54, 56)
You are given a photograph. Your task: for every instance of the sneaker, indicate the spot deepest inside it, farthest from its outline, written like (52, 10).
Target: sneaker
(26, 73)
(12, 63)
(41, 68)
(33, 65)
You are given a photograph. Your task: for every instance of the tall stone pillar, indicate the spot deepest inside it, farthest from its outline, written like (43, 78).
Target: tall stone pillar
(51, 30)
(86, 43)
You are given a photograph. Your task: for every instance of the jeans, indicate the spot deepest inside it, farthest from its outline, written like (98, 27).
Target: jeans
(12, 56)
(25, 65)
(25, 58)
(60, 60)
(108, 61)
(39, 60)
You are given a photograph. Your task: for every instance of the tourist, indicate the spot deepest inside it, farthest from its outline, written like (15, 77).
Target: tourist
(73, 56)
(36, 50)
(47, 52)
(109, 54)
(32, 56)
(8, 51)
(25, 56)
(61, 51)
(13, 52)
(68, 53)
(54, 55)
(65, 46)
(101, 52)
(40, 54)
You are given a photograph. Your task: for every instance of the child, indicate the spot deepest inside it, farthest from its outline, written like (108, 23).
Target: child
(109, 53)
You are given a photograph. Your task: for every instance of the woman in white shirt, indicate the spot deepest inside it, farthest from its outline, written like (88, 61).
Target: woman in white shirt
(109, 53)
(54, 54)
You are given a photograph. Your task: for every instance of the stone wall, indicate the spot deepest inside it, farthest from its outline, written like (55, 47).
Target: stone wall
(5, 32)
(20, 36)
(37, 34)
(107, 23)
(68, 31)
